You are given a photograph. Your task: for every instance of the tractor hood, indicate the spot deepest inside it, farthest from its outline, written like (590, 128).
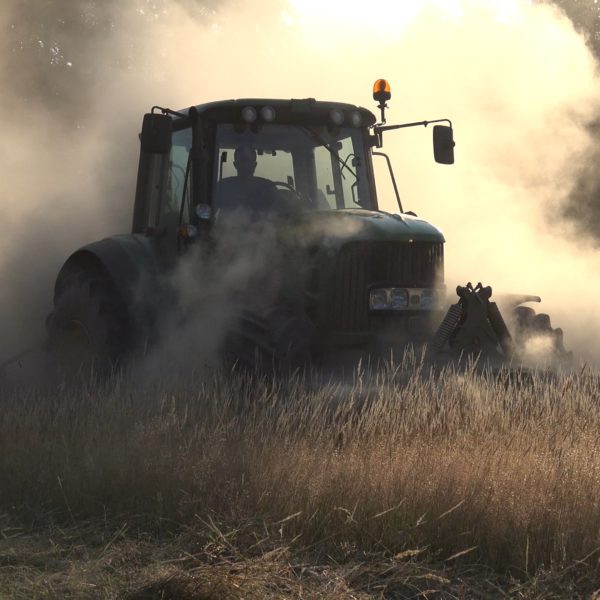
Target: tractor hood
(334, 227)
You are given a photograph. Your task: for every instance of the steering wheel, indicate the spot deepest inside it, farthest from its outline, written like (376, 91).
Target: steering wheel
(302, 202)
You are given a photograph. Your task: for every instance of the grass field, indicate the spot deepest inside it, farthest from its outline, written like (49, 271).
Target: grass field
(399, 484)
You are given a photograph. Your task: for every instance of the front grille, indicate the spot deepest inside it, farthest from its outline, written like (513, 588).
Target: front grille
(363, 264)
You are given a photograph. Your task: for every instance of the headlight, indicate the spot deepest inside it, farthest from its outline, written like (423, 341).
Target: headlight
(398, 299)
(429, 299)
(378, 299)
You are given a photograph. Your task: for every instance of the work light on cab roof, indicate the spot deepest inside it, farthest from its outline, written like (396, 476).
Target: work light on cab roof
(250, 114)
(267, 114)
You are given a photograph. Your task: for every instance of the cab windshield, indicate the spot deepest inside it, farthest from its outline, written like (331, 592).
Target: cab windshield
(289, 168)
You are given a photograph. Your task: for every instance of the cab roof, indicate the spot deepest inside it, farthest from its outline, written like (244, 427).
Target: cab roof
(287, 111)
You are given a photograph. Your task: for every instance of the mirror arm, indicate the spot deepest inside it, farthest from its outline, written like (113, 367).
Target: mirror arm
(414, 124)
(167, 111)
(379, 129)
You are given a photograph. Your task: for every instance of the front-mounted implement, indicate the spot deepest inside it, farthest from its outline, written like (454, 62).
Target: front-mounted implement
(474, 326)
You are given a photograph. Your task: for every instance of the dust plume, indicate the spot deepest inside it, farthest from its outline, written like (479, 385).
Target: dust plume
(517, 80)
(77, 77)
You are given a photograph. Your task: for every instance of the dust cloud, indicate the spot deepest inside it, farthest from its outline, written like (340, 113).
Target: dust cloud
(517, 80)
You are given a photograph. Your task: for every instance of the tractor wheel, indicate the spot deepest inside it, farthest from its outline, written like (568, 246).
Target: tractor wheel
(276, 341)
(247, 345)
(292, 338)
(88, 332)
(531, 326)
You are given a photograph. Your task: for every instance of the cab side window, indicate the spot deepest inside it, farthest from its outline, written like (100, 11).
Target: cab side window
(174, 196)
(324, 175)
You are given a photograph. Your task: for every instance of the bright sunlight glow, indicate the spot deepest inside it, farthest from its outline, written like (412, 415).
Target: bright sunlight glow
(392, 16)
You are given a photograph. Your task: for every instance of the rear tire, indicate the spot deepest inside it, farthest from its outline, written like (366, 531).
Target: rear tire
(277, 341)
(88, 332)
(292, 337)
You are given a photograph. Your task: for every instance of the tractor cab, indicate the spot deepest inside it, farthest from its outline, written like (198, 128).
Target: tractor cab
(258, 156)
(261, 157)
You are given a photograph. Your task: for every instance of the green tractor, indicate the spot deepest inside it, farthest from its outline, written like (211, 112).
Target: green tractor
(267, 209)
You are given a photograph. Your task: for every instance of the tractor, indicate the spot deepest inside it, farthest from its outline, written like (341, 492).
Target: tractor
(268, 210)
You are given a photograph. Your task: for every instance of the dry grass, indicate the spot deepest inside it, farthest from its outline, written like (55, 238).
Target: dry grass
(396, 483)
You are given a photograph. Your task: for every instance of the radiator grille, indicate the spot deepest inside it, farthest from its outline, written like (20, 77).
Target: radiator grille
(362, 264)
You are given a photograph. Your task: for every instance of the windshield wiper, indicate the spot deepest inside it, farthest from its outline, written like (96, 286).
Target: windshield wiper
(343, 163)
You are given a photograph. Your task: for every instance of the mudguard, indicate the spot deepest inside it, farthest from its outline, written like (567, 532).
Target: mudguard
(130, 261)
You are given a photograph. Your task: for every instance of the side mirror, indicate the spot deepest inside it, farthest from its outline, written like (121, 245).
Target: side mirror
(156, 133)
(443, 144)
